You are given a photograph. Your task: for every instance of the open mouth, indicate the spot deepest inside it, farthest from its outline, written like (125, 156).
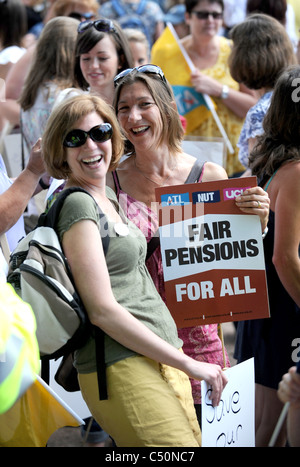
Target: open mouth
(141, 129)
(92, 160)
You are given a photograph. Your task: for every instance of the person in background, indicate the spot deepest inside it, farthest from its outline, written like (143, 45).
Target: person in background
(13, 23)
(79, 9)
(176, 16)
(146, 110)
(152, 17)
(269, 52)
(149, 401)
(102, 50)
(209, 53)
(275, 160)
(289, 392)
(278, 9)
(14, 197)
(139, 46)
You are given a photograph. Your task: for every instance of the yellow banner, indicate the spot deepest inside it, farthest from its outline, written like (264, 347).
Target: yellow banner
(33, 419)
(167, 55)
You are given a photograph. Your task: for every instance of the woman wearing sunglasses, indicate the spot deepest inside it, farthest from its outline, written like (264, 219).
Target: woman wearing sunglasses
(102, 51)
(209, 53)
(146, 110)
(149, 401)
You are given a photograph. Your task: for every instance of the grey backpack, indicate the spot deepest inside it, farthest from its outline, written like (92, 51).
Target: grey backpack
(40, 274)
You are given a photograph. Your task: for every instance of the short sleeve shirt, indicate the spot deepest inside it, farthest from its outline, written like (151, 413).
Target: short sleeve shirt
(253, 126)
(131, 283)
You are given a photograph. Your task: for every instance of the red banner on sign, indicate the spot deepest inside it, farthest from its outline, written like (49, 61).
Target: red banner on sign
(212, 254)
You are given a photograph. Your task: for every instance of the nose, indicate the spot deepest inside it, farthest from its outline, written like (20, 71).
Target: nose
(134, 114)
(94, 63)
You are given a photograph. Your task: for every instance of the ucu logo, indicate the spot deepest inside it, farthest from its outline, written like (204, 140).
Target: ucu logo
(232, 193)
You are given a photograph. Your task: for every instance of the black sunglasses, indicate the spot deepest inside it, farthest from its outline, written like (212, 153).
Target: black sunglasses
(80, 16)
(148, 69)
(101, 25)
(206, 14)
(99, 134)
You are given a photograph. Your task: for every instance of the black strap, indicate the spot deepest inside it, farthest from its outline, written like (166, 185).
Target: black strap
(100, 360)
(193, 177)
(195, 172)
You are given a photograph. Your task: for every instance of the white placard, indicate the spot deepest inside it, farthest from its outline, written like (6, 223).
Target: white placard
(231, 424)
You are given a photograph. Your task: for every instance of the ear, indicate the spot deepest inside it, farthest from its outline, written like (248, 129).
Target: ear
(173, 104)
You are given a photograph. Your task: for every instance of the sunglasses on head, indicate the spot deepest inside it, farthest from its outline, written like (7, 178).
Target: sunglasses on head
(101, 25)
(99, 134)
(148, 69)
(206, 14)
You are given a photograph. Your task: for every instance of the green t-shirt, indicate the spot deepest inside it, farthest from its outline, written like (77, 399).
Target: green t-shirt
(131, 283)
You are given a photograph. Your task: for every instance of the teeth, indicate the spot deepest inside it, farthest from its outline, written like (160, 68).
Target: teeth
(91, 160)
(138, 130)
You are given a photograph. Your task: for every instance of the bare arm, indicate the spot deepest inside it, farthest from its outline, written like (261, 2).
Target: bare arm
(10, 110)
(239, 102)
(15, 199)
(287, 229)
(104, 311)
(254, 201)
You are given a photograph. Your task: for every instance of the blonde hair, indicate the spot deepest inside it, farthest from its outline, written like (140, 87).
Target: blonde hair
(61, 6)
(135, 35)
(53, 60)
(62, 120)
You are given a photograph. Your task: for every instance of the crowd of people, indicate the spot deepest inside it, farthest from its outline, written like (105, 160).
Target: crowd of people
(96, 104)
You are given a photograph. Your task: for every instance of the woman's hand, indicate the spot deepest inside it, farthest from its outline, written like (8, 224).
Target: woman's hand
(289, 388)
(255, 200)
(211, 374)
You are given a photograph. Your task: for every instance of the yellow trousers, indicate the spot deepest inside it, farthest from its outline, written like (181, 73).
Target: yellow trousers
(148, 404)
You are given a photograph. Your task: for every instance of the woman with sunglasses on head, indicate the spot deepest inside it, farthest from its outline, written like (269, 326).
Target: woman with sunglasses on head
(146, 110)
(102, 51)
(149, 396)
(209, 53)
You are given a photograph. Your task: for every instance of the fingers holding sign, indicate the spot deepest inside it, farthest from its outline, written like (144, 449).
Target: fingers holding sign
(255, 201)
(212, 375)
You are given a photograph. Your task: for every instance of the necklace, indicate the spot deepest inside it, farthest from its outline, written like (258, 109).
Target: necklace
(150, 179)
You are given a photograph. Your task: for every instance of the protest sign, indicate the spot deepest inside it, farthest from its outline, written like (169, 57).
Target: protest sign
(231, 423)
(212, 254)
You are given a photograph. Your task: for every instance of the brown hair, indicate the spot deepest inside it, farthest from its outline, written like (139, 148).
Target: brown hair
(261, 50)
(280, 142)
(163, 96)
(63, 119)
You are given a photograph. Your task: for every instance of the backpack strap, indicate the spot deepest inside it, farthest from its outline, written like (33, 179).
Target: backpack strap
(50, 219)
(196, 172)
(141, 7)
(118, 8)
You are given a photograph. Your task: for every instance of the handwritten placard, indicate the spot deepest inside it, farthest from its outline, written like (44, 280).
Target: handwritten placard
(231, 424)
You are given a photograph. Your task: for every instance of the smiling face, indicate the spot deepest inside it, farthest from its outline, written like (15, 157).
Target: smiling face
(89, 163)
(139, 116)
(100, 64)
(209, 26)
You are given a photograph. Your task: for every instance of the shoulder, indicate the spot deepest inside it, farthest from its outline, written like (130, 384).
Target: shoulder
(213, 172)
(76, 207)
(79, 201)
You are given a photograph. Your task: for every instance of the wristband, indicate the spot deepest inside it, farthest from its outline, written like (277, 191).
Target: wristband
(225, 92)
(43, 184)
(265, 232)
